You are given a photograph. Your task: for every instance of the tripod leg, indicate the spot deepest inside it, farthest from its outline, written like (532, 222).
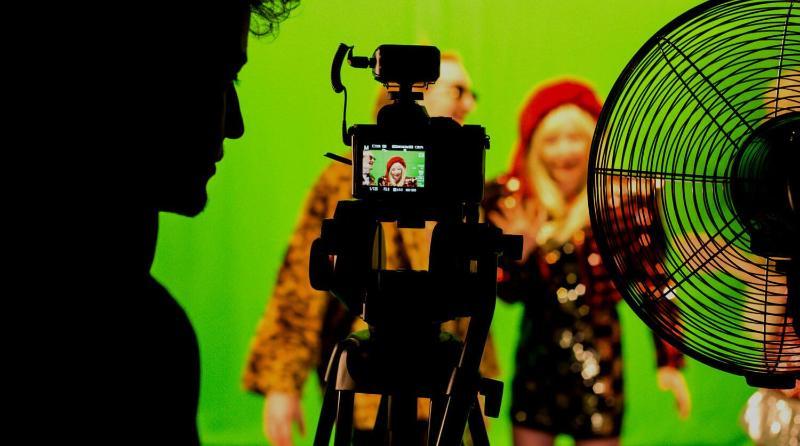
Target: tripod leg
(328, 413)
(456, 414)
(403, 420)
(438, 404)
(477, 428)
(327, 416)
(379, 430)
(344, 419)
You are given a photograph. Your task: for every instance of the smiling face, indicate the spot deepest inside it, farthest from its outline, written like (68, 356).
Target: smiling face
(396, 172)
(561, 142)
(366, 163)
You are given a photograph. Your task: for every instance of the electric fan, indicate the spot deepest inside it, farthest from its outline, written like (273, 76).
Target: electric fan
(694, 189)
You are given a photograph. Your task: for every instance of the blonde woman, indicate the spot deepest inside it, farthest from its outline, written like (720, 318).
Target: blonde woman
(569, 359)
(396, 174)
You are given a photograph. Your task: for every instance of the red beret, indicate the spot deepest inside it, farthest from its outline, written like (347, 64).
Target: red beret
(395, 159)
(541, 102)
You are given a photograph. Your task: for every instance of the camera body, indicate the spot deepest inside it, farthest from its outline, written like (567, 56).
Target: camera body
(420, 172)
(410, 167)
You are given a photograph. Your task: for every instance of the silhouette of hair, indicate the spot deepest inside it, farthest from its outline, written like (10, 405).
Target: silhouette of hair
(269, 13)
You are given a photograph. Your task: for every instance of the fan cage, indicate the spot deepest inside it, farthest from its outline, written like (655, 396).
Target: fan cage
(661, 173)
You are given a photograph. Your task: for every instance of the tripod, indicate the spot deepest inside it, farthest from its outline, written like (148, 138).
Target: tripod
(405, 362)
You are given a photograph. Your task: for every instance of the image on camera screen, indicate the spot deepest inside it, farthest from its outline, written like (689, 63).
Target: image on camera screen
(393, 167)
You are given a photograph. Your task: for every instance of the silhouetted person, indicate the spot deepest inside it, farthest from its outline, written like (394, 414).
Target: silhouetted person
(188, 106)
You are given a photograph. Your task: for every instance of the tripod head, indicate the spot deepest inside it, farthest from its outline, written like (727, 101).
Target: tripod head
(347, 261)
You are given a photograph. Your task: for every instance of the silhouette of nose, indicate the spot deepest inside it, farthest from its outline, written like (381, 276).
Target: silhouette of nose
(234, 124)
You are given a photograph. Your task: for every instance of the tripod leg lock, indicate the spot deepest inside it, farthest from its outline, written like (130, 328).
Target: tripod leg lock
(492, 390)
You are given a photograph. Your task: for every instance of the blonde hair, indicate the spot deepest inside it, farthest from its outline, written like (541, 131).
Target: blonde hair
(565, 218)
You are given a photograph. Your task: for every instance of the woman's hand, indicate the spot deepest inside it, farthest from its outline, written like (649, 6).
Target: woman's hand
(523, 218)
(281, 410)
(670, 378)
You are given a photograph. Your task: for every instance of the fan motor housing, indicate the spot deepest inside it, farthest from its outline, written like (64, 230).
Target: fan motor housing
(765, 186)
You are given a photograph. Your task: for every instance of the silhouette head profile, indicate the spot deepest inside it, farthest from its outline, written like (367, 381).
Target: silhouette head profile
(190, 105)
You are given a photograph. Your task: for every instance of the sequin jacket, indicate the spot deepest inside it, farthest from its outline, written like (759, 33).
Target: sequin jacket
(301, 325)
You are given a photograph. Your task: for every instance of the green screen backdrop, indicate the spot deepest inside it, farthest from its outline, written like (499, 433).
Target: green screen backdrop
(221, 266)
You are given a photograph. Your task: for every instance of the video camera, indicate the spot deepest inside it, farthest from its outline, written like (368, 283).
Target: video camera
(411, 167)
